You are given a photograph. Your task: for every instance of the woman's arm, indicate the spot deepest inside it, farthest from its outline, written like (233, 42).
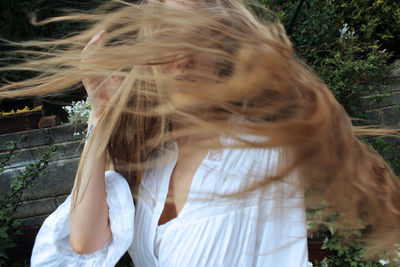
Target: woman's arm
(89, 224)
(89, 221)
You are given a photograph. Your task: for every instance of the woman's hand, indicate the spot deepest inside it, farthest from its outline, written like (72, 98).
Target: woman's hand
(99, 89)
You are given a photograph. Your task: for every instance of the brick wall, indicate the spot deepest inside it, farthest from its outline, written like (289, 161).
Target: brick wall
(383, 108)
(51, 189)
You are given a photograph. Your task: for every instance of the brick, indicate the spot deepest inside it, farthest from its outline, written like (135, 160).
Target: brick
(36, 208)
(67, 132)
(5, 180)
(36, 220)
(47, 136)
(57, 181)
(68, 150)
(31, 138)
(49, 121)
(389, 116)
(60, 199)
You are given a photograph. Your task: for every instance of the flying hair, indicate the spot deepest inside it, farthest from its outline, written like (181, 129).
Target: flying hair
(255, 76)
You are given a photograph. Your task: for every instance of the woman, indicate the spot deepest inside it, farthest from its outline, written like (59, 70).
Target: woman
(217, 129)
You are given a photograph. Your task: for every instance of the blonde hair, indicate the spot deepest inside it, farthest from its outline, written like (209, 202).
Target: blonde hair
(256, 77)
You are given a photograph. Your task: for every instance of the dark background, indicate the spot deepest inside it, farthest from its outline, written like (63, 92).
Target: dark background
(15, 21)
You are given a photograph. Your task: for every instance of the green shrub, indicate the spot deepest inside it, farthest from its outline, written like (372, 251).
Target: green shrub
(345, 254)
(351, 66)
(372, 21)
(351, 73)
(9, 202)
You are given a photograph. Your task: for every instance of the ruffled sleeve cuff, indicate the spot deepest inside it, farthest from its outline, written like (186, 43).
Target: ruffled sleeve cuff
(52, 247)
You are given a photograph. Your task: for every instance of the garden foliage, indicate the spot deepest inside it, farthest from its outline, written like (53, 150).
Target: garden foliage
(345, 49)
(350, 67)
(375, 21)
(9, 202)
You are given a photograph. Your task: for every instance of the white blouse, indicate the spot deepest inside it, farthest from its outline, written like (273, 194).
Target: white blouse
(265, 228)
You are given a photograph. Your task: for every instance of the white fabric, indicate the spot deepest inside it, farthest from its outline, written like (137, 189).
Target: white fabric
(52, 247)
(267, 228)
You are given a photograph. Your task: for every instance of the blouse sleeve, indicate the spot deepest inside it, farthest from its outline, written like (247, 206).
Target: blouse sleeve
(52, 247)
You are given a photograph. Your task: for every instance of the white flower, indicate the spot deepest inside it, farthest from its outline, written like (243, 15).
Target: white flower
(344, 32)
(78, 111)
(384, 262)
